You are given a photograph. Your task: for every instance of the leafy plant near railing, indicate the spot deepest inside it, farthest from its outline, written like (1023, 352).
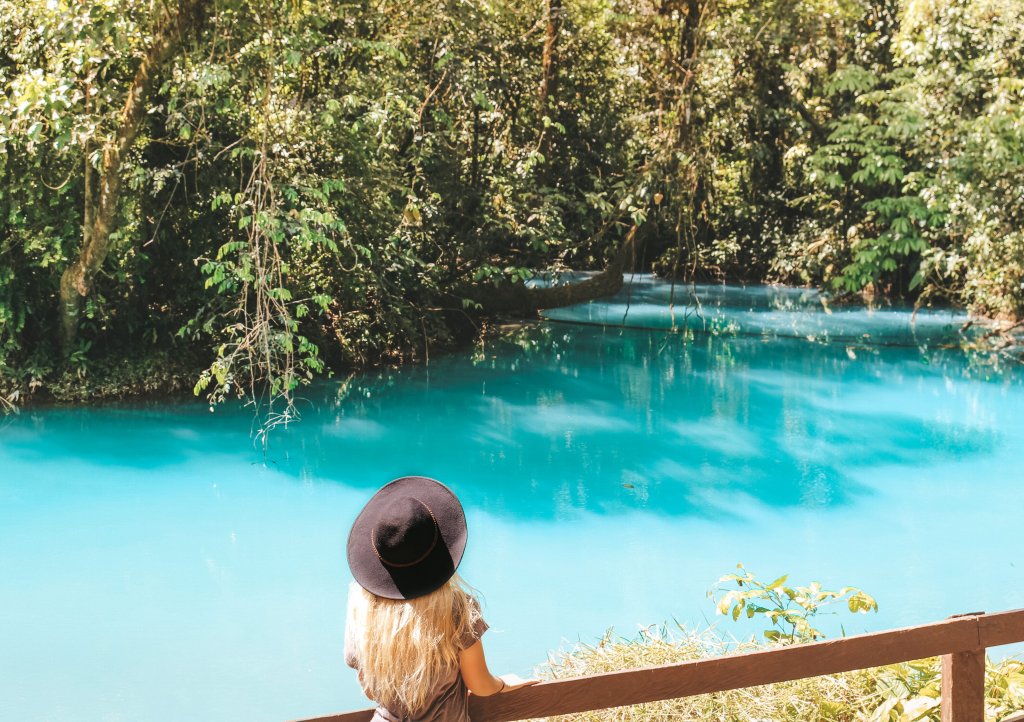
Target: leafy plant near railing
(905, 692)
(911, 691)
(790, 609)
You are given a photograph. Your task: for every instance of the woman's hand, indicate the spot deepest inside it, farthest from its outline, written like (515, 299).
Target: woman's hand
(514, 681)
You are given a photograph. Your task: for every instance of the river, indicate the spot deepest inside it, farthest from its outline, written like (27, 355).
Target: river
(156, 565)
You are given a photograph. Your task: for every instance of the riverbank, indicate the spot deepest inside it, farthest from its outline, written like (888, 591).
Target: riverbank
(171, 374)
(159, 375)
(644, 302)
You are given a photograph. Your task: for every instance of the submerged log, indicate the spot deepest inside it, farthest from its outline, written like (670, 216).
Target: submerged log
(518, 299)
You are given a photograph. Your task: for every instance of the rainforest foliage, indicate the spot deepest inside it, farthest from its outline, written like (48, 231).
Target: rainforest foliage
(269, 189)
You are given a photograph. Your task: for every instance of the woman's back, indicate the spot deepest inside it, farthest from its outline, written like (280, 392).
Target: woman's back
(407, 652)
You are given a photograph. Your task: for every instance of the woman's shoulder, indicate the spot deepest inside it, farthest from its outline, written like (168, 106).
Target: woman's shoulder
(471, 624)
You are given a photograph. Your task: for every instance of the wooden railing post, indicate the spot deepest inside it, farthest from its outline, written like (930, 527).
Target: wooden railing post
(963, 686)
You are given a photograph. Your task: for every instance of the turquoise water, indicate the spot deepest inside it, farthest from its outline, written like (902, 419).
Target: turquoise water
(155, 566)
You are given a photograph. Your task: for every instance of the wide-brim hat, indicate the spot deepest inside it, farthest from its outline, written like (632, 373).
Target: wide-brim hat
(408, 540)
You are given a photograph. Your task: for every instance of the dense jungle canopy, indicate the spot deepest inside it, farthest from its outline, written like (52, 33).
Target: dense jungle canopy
(270, 189)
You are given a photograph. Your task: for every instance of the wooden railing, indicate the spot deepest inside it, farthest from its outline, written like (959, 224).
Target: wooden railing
(961, 641)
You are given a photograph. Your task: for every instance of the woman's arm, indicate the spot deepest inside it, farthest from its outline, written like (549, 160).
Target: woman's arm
(474, 670)
(479, 679)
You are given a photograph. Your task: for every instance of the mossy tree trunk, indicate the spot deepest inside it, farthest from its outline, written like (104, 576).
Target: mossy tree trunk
(101, 204)
(549, 82)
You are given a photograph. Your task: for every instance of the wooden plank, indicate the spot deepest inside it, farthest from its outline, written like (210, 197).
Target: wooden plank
(1001, 628)
(615, 689)
(963, 686)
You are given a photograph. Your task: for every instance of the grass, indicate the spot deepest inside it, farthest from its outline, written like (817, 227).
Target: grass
(906, 692)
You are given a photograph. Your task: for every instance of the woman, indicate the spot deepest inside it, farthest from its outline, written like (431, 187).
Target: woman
(413, 627)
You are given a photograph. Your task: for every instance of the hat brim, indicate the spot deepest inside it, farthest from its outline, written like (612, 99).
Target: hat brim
(431, 573)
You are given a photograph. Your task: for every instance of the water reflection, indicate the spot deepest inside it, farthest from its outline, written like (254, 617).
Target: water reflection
(554, 420)
(778, 311)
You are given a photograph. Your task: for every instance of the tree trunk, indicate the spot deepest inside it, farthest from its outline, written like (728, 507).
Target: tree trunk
(549, 76)
(100, 214)
(687, 58)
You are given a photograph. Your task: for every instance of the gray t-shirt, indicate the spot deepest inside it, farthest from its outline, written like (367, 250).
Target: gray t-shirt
(450, 703)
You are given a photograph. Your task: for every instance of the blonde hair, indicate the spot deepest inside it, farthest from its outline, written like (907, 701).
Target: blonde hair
(406, 648)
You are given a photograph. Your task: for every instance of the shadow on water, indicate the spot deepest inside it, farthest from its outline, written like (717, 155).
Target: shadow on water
(135, 436)
(556, 420)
